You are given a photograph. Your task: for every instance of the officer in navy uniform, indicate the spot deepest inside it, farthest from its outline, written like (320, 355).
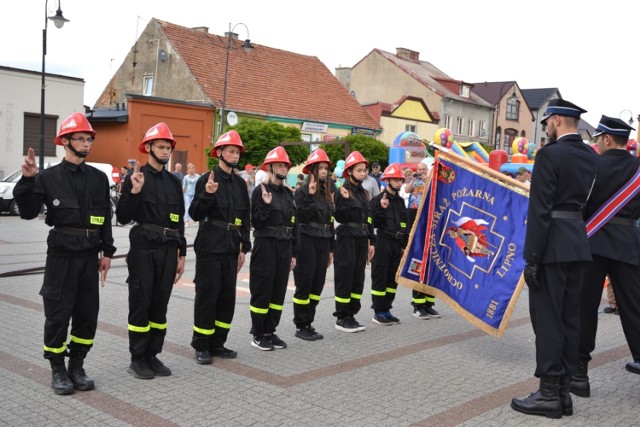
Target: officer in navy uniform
(556, 252)
(615, 249)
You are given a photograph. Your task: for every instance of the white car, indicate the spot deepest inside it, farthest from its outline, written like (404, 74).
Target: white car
(8, 203)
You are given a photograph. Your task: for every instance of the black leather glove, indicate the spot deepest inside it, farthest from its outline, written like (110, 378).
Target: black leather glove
(531, 276)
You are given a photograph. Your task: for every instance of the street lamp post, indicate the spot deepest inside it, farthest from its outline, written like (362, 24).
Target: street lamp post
(246, 45)
(630, 121)
(59, 21)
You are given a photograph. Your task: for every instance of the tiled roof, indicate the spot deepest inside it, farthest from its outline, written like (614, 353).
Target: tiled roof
(266, 81)
(536, 98)
(492, 92)
(431, 77)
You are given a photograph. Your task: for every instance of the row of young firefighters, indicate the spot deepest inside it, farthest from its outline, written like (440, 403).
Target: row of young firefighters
(78, 210)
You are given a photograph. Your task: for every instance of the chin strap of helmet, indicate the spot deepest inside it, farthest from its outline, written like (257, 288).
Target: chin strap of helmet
(76, 152)
(231, 165)
(162, 162)
(355, 180)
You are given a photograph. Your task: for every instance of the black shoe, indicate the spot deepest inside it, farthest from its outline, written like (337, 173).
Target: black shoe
(545, 401)
(305, 333)
(140, 369)
(580, 385)
(81, 381)
(346, 325)
(359, 326)
(158, 367)
(565, 396)
(224, 353)
(392, 318)
(203, 358)
(277, 342)
(633, 367)
(262, 343)
(432, 312)
(318, 335)
(610, 310)
(420, 313)
(380, 318)
(60, 381)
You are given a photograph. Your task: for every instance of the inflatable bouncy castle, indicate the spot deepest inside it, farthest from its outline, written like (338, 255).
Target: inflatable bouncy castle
(408, 149)
(471, 150)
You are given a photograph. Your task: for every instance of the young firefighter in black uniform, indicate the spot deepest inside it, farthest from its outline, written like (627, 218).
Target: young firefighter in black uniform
(273, 216)
(556, 251)
(77, 200)
(152, 197)
(314, 201)
(390, 217)
(221, 204)
(615, 249)
(354, 243)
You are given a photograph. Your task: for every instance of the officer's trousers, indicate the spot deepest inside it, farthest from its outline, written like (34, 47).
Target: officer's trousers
(349, 262)
(384, 265)
(309, 274)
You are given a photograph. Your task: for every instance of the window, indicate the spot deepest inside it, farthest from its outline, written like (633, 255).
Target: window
(498, 136)
(513, 107)
(32, 134)
(410, 128)
(470, 127)
(147, 86)
(464, 90)
(482, 130)
(447, 122)
(458, 125)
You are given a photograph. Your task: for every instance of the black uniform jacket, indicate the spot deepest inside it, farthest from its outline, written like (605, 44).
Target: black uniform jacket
(277, 219)
(619, 242)
(562, 177)
(229, 205)
(354, 214)
(160, 202)
(76, 196)
(315, 212)
(393, 221)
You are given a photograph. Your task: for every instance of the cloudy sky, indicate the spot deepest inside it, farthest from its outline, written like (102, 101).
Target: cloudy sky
(589, 50)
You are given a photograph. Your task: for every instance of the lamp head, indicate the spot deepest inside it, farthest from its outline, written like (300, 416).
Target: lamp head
(59, 20)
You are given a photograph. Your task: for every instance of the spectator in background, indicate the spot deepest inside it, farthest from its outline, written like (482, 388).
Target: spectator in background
(408, 173)
(524, 176)
(371, 186)
(249, 176)
(177, 171)
(260, 177)
(189, 189)
(375, 172)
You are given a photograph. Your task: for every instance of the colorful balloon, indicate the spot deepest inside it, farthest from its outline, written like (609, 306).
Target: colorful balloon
(520, 145)
(444, 137)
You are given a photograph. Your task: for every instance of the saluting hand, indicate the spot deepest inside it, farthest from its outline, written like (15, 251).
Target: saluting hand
(29, 167)
(137, 179)
(313, 185)
(266, 196)
(344, 192)
(384, 202)
(211, 186)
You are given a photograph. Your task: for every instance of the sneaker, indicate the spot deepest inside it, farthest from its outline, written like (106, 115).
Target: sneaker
(346, 325)
(421, 313)
(318, 335)
(277, 342)
(224, 353)
(432, 312)
(262, 343)
(381, 319)
(158, 367)
(391, 317)
(357, 324)
(141, 370)
(610, 310)
(203, 358)
(305, 333)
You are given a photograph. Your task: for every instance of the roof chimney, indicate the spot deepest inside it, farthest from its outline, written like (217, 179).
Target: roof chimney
(201, 29)
(233, 36)
(408, 54)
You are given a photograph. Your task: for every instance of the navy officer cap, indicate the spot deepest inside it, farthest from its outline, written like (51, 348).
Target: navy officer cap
(613, 126)
(560, 107)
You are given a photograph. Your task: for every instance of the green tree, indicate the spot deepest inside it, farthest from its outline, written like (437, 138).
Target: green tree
(260, 137)
(372, 149)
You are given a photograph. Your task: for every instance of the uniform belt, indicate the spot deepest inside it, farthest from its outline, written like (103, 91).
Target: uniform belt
(622, 221)
(566, 215)
(287, 230)
(391, 234)
(359, 225)
(319, 225)
(87, 232)
(226, 225)
(171, 232)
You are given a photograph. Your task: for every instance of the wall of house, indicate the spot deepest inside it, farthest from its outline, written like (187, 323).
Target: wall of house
(191, 126)
(20, 95)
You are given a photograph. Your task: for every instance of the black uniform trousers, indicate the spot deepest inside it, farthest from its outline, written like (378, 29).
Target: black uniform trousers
(625, 279)
(309, 274)
(152, 272)
(419, 299)
(215, 301)
(555, 318)
(70, 293)
(384, 265)
(349, 262)
(269, 275)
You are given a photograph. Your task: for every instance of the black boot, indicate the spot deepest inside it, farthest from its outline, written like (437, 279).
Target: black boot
(545, 401)
(565, 396)
(81, 381)
(60, 381)
(580, 381)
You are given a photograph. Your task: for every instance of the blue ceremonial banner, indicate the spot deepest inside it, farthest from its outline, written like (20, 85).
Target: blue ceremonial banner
(467, 240)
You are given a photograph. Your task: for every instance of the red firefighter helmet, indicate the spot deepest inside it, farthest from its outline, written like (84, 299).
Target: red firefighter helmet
(230, 138)
(158, 131)
(277, 155)
(394, 170)
(76, 122)
(318, 156)
(353, 159)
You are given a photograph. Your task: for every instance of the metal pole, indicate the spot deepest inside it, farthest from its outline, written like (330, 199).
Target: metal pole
(42, 89)
(224, 91)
